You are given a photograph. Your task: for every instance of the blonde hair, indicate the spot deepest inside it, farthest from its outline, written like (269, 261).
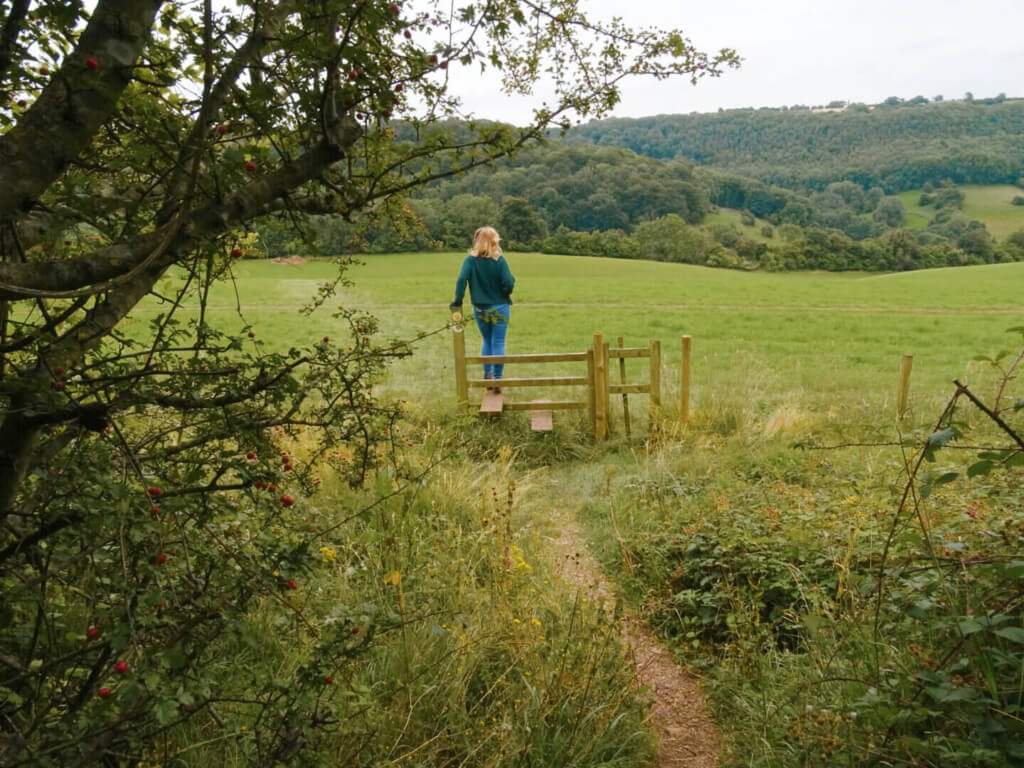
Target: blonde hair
(486, 243)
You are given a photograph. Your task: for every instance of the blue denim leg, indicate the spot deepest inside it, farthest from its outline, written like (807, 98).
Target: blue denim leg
(493, 324)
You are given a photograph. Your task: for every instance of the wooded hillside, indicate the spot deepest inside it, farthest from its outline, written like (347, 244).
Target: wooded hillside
(895, 146)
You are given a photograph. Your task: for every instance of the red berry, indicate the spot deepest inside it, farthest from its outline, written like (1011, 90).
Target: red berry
(161, 605)
(22, 103)
(60, 385)
(326, 339)
(271, 487)
(287, 501)
(252, 335)
(287, 467)
(91, 64)
(355, 630)
(160, 559)
(353, 74)
(408, 34)
(104, 692)
(250, 455)
(58, 371)
(328, 680)
(236, 252)
(395, 9)
(433, 58)
(250, 166)
(121, 667)
(92, 633)
(155, 510)
(154, 491)
(444, 65)
(222, 129)
(292, 584)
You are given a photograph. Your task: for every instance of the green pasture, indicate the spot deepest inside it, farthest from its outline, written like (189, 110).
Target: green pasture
(818, 342)
(992, 205)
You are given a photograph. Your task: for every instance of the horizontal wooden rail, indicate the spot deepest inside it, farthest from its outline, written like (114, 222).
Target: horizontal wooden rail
(551, 381)
(629, 352)
(548, 405)
(553, 357)
(632, 389)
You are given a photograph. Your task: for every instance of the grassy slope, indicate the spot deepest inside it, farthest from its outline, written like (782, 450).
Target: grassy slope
(989, 204)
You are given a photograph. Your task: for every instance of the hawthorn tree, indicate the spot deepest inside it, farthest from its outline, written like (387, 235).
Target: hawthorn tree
(144, 499)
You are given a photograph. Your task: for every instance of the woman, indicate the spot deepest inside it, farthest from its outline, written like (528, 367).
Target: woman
(490, 288)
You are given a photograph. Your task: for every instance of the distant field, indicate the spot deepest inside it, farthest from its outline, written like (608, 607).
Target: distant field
(821, 341)
(989, 204)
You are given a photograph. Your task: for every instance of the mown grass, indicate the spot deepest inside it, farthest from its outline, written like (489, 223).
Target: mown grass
(992, 205)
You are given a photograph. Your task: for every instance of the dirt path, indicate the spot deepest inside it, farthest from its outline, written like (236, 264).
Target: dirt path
(687, 736)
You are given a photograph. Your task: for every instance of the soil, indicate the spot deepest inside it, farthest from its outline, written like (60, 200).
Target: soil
(687, 736)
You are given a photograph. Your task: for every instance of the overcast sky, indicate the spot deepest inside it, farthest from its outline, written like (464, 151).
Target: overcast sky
(815, 51)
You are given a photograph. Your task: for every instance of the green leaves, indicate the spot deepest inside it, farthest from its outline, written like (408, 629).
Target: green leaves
(937, 440)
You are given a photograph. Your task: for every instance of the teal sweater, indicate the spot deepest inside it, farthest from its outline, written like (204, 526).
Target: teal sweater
(490, 281)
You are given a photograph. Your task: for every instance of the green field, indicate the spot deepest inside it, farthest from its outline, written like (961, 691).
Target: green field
(992, 205)
(749, 552)
(817, 341)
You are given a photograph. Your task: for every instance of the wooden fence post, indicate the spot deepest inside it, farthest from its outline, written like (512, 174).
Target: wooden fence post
(904, 388)
(655, 394)
(625, 397)
(684, 382)
(592, 389)
(459, 347)
(600, 389)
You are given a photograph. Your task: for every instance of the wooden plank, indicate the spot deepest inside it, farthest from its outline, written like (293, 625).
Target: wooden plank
(459, 347)
(655, 393)
(632, 389)
(622, 380)
(600, 389)
(493, 402)
(591, 400)
(553, 381)
(553, 405)
(540, 419)
(553, 357)
(629, 352)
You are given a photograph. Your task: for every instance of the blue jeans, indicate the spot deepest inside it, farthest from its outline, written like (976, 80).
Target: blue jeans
(493, 324)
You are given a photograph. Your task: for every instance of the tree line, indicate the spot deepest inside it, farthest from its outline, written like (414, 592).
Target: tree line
(563, 197)
(896, 146)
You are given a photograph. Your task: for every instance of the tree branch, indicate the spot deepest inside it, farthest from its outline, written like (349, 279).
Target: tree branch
(79, 99)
